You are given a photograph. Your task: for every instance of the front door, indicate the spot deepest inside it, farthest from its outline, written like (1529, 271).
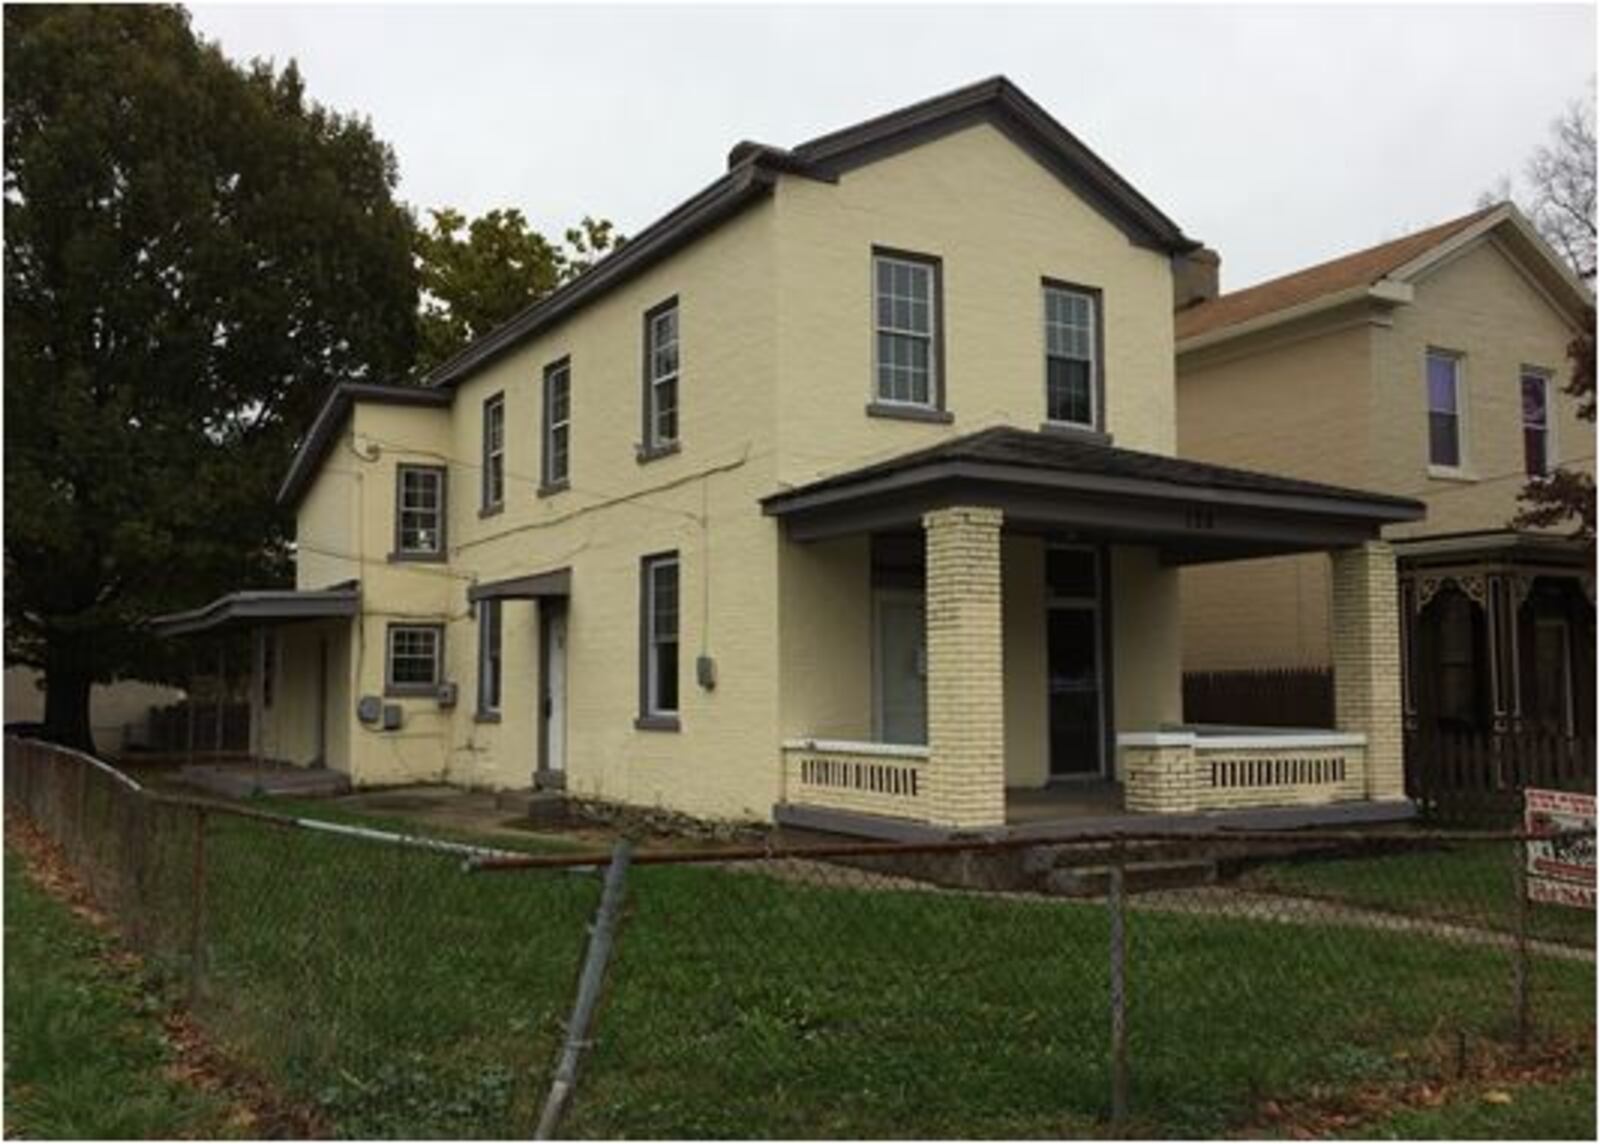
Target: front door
(900, 668)
(553, 673)
(1076, 673)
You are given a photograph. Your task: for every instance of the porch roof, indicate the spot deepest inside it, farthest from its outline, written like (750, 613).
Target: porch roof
(1496, 546)
(261, 607)
(1070, 483)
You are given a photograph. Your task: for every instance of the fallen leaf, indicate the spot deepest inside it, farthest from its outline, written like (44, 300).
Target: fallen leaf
(1497, 1096)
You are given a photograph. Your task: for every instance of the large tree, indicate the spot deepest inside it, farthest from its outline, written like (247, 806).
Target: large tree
(194, 253)
(477, 274)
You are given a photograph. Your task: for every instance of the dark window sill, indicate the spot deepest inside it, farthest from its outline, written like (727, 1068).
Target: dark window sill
(492, 509)
(647, 453)
(1090, 433)
(411, 691)
(552, 488)
(486, 716)
(656, 723)
(417, 558)
(910, 413)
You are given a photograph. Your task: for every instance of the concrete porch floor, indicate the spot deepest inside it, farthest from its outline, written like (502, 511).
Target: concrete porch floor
(1067, 800)
(244, 778)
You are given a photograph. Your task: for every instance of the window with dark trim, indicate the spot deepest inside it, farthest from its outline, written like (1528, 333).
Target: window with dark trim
(414, 659)
(658, 650)
(661, 364)
(1072, 355)
(494, 452)
(557, 423)
(1536, 422)
(1444, 409)
(419, 505)
(906, 321)
(488, 657)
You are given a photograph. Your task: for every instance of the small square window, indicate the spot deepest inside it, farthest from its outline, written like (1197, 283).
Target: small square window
(415, 659)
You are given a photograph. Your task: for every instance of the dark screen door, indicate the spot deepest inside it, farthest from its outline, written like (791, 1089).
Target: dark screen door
(1073, 632)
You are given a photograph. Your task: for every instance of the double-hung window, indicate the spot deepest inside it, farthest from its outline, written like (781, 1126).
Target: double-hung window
(659, 640)
(1536, 422)
(661, 378)
(494, 453)
(1444, 409)
(488, 657)
(419, 512)
(415, 661)
(1071, 356)
(557, 423)
(906, 330)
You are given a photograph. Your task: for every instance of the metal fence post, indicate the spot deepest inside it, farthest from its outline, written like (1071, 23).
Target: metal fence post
(197, 906)
(1119, 996)
(589, 982)
(1520, 971)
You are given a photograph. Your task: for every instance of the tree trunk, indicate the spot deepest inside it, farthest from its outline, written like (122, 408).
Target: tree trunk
(67, 683)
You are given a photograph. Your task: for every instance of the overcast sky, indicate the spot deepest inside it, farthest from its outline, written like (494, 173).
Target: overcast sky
(1281, 136)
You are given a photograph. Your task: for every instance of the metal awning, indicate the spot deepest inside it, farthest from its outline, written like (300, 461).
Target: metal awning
(1055, 484)
(262, 607)
(535, 586)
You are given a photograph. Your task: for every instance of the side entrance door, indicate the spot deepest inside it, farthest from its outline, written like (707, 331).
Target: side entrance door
(899, 668)
(553, 677)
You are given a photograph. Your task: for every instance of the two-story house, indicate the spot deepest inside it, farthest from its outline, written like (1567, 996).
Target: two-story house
(845, 495)
(1432, 367)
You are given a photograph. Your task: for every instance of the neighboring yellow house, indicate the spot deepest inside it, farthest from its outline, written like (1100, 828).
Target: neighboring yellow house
(1433, 367)
(842, 496)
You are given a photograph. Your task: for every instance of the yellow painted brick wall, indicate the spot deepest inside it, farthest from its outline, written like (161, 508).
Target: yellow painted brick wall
(1366, 661)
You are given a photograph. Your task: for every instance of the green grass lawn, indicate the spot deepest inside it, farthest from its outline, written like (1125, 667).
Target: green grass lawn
(1563, 1110)
(1467, 882)
(84, 1050)
(403, 997)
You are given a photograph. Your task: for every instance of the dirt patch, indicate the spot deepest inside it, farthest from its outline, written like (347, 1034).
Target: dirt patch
(1489, 1073)
(254, 1110)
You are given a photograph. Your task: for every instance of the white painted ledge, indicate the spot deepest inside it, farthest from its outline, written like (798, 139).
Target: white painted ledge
(850, 747)
(1266, 741)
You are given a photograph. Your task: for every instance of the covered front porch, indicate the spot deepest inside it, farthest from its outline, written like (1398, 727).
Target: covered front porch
(984, 637)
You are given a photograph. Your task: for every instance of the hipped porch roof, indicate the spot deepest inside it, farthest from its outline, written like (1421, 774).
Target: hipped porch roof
(258, 608)
(1059, 482)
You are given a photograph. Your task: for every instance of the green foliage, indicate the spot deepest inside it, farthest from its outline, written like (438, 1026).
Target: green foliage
(84, 1049)
(478, 274)
(194, 254)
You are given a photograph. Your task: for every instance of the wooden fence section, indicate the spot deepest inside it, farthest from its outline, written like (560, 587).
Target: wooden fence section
(1291, 697)
(1483, 776)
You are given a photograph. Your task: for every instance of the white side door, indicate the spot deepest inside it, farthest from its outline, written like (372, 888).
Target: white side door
(900, 669)
(555, 686)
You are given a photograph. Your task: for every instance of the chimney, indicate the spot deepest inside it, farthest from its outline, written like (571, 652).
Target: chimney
(1195, 277)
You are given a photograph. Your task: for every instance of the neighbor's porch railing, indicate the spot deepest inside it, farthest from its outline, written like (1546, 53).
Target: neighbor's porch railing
(866, 778)
(1177, 772)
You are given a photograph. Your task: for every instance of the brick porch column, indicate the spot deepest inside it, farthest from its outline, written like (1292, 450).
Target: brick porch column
(966, 721)
(1366, 661)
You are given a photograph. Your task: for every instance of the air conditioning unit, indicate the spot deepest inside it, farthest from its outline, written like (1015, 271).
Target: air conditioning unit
(447, 695)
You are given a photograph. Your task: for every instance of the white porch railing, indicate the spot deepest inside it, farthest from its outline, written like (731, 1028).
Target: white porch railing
(1168, 772)
(868, 778)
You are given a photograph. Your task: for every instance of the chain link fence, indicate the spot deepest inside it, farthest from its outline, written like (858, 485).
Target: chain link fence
(1160, 984)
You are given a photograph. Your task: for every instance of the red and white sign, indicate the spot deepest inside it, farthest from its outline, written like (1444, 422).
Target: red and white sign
(1561, 870)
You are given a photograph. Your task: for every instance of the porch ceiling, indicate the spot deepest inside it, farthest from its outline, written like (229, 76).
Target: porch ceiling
(1059, 483)
(260, 608)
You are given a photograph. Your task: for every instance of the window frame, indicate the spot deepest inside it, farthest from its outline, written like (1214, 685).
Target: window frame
(493, 458)
(1457, 359)
(1097, 359)
(651, 716)
(411, 688)
(400, 552)
(491, 659)
(1545, 377)
(651, 445)
(549, 481)
(934, 409)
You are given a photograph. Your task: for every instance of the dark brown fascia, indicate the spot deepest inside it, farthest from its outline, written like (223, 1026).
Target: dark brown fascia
(330, 418)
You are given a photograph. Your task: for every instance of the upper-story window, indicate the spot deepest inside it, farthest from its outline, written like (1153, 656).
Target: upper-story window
(1536, 422)
(1071, 355)
(660, 379)
(419, 507)
(1444, 409)
(906, 330)
(494, 453)
(557, 423)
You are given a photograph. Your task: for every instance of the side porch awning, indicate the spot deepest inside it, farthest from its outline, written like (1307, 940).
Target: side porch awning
(263, 607)
(536, 586)
(1064, 483)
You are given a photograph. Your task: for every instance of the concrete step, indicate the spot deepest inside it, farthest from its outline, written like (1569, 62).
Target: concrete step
(547, 808)
(1095, 881)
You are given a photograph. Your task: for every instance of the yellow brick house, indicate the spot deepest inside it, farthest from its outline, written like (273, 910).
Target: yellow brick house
(844, 496)
(1431, 366)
